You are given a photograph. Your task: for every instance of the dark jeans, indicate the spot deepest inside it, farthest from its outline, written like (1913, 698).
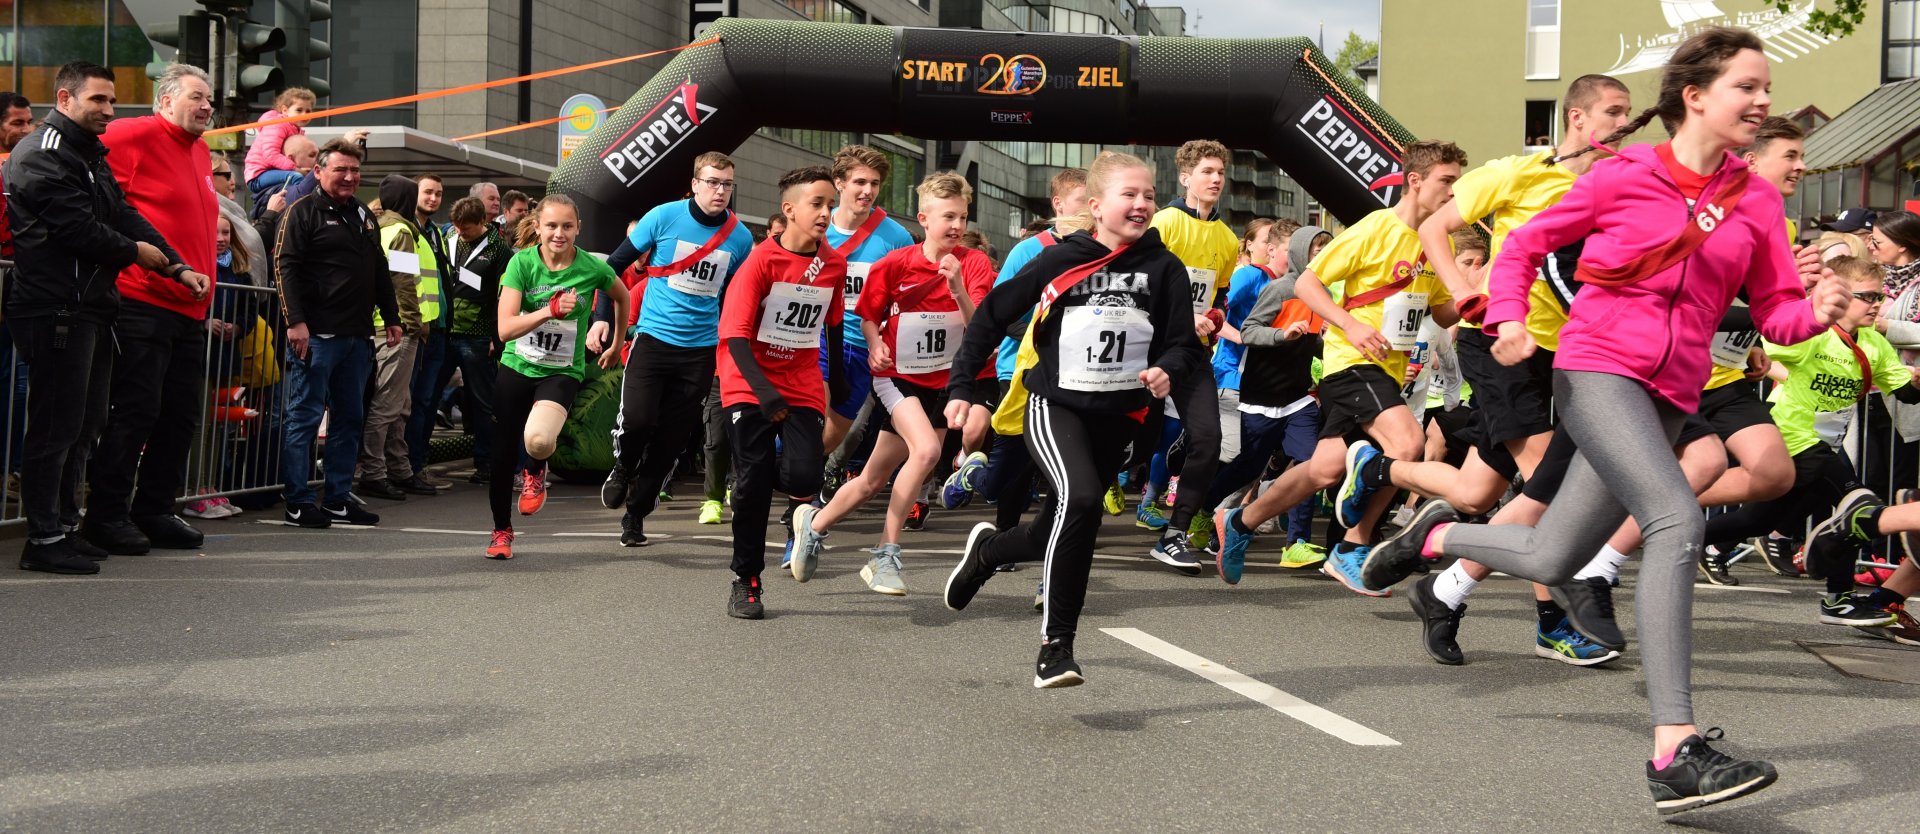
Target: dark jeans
(11, 362)
(719, 453)
(657, 418)
(1007, 480)
(431, 370)
(159, 398)
(66, 407)
(473, 355)
(797, 471)
(331, 380)
(1821, 477)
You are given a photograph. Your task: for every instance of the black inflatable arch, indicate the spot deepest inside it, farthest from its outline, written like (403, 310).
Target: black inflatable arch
(1278, 96)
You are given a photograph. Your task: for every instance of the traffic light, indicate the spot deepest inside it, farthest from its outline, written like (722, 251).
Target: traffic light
(296, 18)
(252, 74)
(196, 36)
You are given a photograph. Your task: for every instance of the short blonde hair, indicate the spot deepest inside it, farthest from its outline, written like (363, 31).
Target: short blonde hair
(1856, 247)
(944, 185)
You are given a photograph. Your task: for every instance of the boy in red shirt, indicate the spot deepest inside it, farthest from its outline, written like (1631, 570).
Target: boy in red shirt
(769, 367)
(914, 308)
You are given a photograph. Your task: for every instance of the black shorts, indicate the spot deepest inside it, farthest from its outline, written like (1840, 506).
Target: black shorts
(892, 392)
(988, 392)
(1735, 407)
(1552, 471)
(1696, 427)
(1459, 428)
(1352, 397)
(1515, 401)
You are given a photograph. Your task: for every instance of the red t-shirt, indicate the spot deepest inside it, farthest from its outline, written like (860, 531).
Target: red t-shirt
(779, 300)
(1691, 184)
(906, 294)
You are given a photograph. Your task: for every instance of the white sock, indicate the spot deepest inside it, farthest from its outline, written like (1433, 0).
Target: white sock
(1606, 565)
(1453, 585)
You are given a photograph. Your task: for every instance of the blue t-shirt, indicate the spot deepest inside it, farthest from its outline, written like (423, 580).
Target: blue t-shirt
(1242, 292)
(683, 310)
(888, 236)
(1023, 253)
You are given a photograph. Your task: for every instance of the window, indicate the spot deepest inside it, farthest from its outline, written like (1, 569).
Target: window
(1903, 41)
(1540, 124)
(1543, 38)
(896, 195)
(823, 142)
(1286, 198)
(828, 11)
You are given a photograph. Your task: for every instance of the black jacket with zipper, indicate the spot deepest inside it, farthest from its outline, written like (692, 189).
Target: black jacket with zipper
(73, 229)
(331, 268)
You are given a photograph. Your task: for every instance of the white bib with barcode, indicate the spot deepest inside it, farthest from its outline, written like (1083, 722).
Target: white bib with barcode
(1104, 348)
(550, 345)
(1730, 349)
(703, 278)
(1832, 426)
(1200, 284)
(1400, 319)
(926, 342)
(856, 281)
(792, 313)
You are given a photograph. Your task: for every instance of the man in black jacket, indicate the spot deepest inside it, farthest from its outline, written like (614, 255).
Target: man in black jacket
(73, 233)
(332, 273)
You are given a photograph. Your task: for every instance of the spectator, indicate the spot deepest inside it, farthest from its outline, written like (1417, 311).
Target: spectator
(16, 121)
(332, 273)
(74, 232)
(383, 457)
(303, 152)
(432, 356)
(477, 260)
(489, 196)
(516, 203)
(160, 378)
(270, 164)
(248, 239)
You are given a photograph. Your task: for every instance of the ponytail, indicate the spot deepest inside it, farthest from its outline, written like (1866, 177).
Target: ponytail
(1695, 63)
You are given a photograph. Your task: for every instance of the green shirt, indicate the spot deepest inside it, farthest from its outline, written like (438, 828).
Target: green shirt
(558, 346)
(1823, 384)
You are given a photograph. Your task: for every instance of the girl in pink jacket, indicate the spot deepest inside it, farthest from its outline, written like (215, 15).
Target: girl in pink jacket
(1673, 232)
(268, 165)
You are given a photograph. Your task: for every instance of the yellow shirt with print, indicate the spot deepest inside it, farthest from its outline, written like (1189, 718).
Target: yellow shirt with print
(1200, 244)
(1723, 376)
(1513, 189)
(1370, 254)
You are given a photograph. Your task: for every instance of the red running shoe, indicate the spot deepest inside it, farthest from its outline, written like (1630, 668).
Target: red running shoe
(502, 545)
(533, 492)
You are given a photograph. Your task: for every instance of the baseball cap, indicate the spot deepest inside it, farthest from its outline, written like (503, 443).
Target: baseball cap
(1851, 220)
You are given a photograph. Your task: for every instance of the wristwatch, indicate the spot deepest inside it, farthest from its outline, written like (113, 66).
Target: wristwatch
(176, 271)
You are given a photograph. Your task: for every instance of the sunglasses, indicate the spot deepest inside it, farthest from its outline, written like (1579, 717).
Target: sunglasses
(225, 175)
(1870, 296)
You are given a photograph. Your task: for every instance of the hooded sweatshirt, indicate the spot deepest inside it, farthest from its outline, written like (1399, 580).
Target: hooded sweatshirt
(396, 190)
(1276, 372)
(168, 176)
(1657, 331)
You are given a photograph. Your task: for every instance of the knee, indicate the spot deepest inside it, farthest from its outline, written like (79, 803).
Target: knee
(542, 434)
(1324, 472)
(1771, 478)
(1083, 500)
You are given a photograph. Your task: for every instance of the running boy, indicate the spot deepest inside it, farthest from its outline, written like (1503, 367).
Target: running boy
(861, 233)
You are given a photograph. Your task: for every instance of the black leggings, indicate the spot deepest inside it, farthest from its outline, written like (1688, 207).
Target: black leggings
(1007, 480)
(1080, 456)
(796, 470)
(513, 397)
(1820, 478)
(1199, 404)
(657, 418)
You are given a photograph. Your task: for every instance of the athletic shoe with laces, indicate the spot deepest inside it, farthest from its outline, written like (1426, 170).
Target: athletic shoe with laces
(743, 600)
(710, 512)
(308, 516)
(533, 492)
(804, 545)
(1855, 610)
(501, 545)
(1905, 630)
(1777, 554)
(349, 513)
(632, 531)
(1439, 625)
(1231, 561)
(916, 517)
(882, 572)
(957, 492)
(1056, 668)
(1567, 645)
(1200, 532)
(1589, 605)
(1115, 501)
(971, 573)
(1400, 555)
(613, 493)
(1303, 555)
(1713, 566)
(1700, 775)
(1173, 552)
(1351, 502)
(1040, 596)
(1150, 517)
(1343, 564)
(1837, 540)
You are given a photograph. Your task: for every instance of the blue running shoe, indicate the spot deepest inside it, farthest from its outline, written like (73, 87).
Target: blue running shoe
(1352, 500)
(1150, 517)
(1233, 544)
(958, 490)
(1343, 564)
(1569, 646)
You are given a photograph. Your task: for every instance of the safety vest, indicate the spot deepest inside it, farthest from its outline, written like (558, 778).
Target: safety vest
(429, 286)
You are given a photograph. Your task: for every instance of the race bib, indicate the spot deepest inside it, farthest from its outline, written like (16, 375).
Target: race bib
(704, 278)
(1832, 425)
(856, 281)
(550, 345)
(1200, 285)
(791, 315)
(1401, 318)
(1104, 348)
(924, 343)
(1730, 349)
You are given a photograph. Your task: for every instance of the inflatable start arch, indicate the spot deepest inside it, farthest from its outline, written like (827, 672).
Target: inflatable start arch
(1277, 96)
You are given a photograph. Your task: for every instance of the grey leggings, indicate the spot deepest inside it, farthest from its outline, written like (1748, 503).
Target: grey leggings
(1625, 466)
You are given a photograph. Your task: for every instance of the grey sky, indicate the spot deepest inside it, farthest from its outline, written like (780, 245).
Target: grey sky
(1281, 18)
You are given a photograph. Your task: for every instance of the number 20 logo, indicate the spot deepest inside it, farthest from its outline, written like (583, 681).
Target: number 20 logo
(1020, 75)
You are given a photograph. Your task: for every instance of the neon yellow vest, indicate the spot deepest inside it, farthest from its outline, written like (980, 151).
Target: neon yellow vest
(429, 286)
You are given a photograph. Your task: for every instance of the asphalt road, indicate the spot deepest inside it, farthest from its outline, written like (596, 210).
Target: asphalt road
(394, 680)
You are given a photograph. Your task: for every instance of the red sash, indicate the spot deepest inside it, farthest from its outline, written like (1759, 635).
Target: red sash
(1046, 238)
(861, 234)
(1059, 286)
(699, 254)
(1708, 216)
(1860, 356)
(1379, 293)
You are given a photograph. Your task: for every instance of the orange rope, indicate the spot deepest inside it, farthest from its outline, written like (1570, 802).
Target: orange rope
(528, 126)
(1384, 135)
(467, 88)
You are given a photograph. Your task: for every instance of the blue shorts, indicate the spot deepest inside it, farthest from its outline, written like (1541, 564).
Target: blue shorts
(853, 363)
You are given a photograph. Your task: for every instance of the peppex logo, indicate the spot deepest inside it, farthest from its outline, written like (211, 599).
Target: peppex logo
(661, 130)
(1361, 154)
(1011, 117)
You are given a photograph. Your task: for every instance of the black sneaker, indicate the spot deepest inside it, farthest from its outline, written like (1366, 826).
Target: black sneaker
(1398, 556)
(119, 538)
(480, 476)
(971, 573)
(1713, 566)
(630, 531)
(1855, 610)
(744, 601)
(84, 547)
(170, 531)
(1439, 625)
(1700, 775)
(1835, 543)
(916, 517)
(1056, 668)
(349, 513)
(1589, 604)
(613, 493)
(1778, 554)
(1174, 552)
(308, 516)
(57, 557)
(379, 488)
(414, 485)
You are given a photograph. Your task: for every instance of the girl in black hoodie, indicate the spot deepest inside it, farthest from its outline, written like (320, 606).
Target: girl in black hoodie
(1113, 328)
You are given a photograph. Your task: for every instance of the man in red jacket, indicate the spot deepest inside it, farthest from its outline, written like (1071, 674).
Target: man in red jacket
(157, 400)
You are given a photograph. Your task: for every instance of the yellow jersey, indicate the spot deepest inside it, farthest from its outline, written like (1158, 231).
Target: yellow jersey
(1209, 249)
(1371, 254)
(1513, 189)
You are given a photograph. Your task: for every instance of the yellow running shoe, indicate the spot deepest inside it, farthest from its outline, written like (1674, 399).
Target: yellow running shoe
(1302, 555)
(1116, 500)
(1200, 531)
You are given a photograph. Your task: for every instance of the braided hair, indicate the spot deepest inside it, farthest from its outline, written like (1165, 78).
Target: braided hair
(1696, 63)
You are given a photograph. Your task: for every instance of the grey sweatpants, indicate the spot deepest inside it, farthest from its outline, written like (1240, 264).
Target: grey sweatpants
(1625, 466)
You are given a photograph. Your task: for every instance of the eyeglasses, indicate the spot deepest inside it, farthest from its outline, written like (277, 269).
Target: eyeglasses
(717, 185)
(225, 175)
(1871, 297)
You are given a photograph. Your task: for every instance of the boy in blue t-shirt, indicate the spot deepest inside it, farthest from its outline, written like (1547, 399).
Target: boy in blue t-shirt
(862, 233)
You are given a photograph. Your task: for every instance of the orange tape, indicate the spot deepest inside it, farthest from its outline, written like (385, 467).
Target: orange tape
(1384, 135)
(467, 88)
(528, 126)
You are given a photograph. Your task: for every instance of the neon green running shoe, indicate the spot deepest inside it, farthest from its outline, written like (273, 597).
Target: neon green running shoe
(710, 512)
(1303, 555)
(1116, 500)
